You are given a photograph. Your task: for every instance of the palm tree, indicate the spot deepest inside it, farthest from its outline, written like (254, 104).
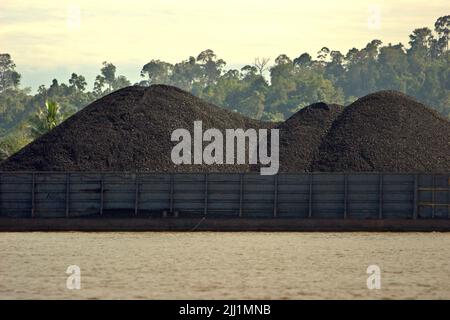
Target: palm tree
(45, 119)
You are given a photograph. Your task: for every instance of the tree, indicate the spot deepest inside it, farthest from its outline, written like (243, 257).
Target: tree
(45, 119)
(393, 68)
(186, 73)
(14, 107)
(107, 77)
(335, 69)
(322, 54)
(13, 142)
(421, 40)
(372, 49)
(206, 56)
(120, 82)
(282, 59)
(157, 72)
(231, 74)
(304, 60)
(261, 64)
(77, 82)
(442, 28)
(420, 69)
(108, 72)
(98, 85)
(9, 78)
(212, 68)
(4, 150)
(249, 71)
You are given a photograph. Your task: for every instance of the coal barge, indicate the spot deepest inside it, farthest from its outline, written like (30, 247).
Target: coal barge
(71, 201)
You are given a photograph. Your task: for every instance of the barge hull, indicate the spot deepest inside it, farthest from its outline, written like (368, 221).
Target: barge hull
(228, 224)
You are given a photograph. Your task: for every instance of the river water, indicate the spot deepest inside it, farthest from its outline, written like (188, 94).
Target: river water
(224, 265)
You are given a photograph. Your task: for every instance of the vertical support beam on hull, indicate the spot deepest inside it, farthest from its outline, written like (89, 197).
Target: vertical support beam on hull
(416, 196)
(1, 202)
(433, 197)
(205, 208)
(102, 187)
(380, 198)
(241, 193)
(136, 194)
(67, 195)
(310, 211)
(448, 196)
(275, 196)
(33, 195)
(345, 195)
(171, 193)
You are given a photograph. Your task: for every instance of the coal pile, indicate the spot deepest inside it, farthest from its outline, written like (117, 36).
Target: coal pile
(387, 132)
(127, 130)
(301, 135)
(130, 130)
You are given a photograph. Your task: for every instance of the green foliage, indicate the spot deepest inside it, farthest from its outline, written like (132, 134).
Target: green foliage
(108, 79)
(9, 78)
(273, 117)
(157, 72)
(14, 106)
(422, 70)
(12, 143)
(45, 119)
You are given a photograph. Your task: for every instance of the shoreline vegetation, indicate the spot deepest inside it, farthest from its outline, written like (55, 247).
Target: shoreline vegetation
(263, 90)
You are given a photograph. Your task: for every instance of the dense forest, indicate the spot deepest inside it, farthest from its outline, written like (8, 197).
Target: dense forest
(264, 89)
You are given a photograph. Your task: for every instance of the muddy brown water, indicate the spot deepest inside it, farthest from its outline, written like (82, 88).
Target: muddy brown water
(165, 265)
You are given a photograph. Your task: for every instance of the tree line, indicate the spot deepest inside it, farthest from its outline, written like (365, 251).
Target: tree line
(264, 89)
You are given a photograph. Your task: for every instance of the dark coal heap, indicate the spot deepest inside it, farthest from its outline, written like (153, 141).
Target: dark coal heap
(130, 130)
(386, 131)
(302, 134)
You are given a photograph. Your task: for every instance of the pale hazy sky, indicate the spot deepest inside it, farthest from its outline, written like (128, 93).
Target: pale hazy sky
(52, 38)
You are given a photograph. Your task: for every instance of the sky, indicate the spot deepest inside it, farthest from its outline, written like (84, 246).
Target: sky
(53, 38)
